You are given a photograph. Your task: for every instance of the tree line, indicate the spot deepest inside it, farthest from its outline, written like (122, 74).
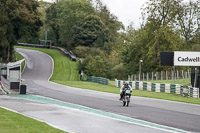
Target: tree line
(93, 33)
(18, 19)
(89, 30)
(168, 25)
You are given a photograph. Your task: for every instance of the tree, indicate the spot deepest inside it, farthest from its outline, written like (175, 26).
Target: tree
(22, 21)
(69, 14)
(162, 12)
(188, 20)
(146, 44)
(111, 22)
(156, 34)
(109, 19)
(52, 22)
(3, 39)
(90, 32)
(95, 66)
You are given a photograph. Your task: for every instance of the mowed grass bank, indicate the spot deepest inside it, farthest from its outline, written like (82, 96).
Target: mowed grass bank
(64, 69)
(12, 122)
(74, 82)
(177, 81)
(20, 57)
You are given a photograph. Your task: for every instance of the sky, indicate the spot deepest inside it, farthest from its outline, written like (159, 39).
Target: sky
(127, 11)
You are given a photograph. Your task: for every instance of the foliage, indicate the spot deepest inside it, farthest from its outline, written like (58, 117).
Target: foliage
(43, 7)
(118, 71)
(52, 23)
(4, 44)
(93, 33)
(19, 57)
(160, 31)
(109, 19)
(83, 51)
(188, 20)
(19, 19)
(95, 66)
(78, 22)
(71, 13)
(196, 41)
(90, 32)
(162, 12)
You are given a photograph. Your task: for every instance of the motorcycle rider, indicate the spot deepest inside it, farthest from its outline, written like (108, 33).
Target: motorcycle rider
(123, 88)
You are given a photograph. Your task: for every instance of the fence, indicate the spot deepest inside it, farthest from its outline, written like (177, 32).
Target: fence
(67, 53)
(163, 88)
(99, 80)
(163, 75)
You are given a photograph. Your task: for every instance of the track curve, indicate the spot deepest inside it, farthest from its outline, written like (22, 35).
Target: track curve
(174, 114)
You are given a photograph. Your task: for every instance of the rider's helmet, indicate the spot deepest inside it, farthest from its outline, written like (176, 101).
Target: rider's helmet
(126, 83)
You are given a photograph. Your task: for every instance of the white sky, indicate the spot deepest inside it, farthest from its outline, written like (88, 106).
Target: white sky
(127, 11)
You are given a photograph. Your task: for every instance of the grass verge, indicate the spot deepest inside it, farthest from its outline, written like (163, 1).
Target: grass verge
(58, 77)
(177, 81)
(112, 89)
(20, 57)
(12, 122)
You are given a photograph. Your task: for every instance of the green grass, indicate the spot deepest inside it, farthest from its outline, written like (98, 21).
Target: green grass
(64, 64)
(15, 123)
(177, 81)
(20, 57)
(112, 89)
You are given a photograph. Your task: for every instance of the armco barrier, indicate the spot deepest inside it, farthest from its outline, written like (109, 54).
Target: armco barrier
(148, 86)
(137, 85)
(167, 88)
(130, 83)
(157, 87)
(99, 80)
(153, 87)
(178, 89)
(163, 88)
(67, 53)
(145, 86)
(195, 92)
(172, 88)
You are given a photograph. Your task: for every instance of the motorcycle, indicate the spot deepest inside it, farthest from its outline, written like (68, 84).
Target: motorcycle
(126, 97)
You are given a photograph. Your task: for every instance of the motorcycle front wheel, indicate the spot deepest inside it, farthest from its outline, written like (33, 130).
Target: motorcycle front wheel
(124, 102)
(128, 101)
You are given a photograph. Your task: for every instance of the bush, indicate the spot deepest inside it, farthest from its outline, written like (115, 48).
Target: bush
(83, 51)
(95, 66)
(118, 72)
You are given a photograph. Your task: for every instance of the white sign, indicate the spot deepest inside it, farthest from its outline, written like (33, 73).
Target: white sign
(184, 58)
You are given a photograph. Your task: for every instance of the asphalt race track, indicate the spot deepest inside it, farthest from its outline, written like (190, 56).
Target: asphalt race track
(172, 114)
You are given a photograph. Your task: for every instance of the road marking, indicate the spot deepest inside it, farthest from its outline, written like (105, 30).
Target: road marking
(51, 66)
(42, 99)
